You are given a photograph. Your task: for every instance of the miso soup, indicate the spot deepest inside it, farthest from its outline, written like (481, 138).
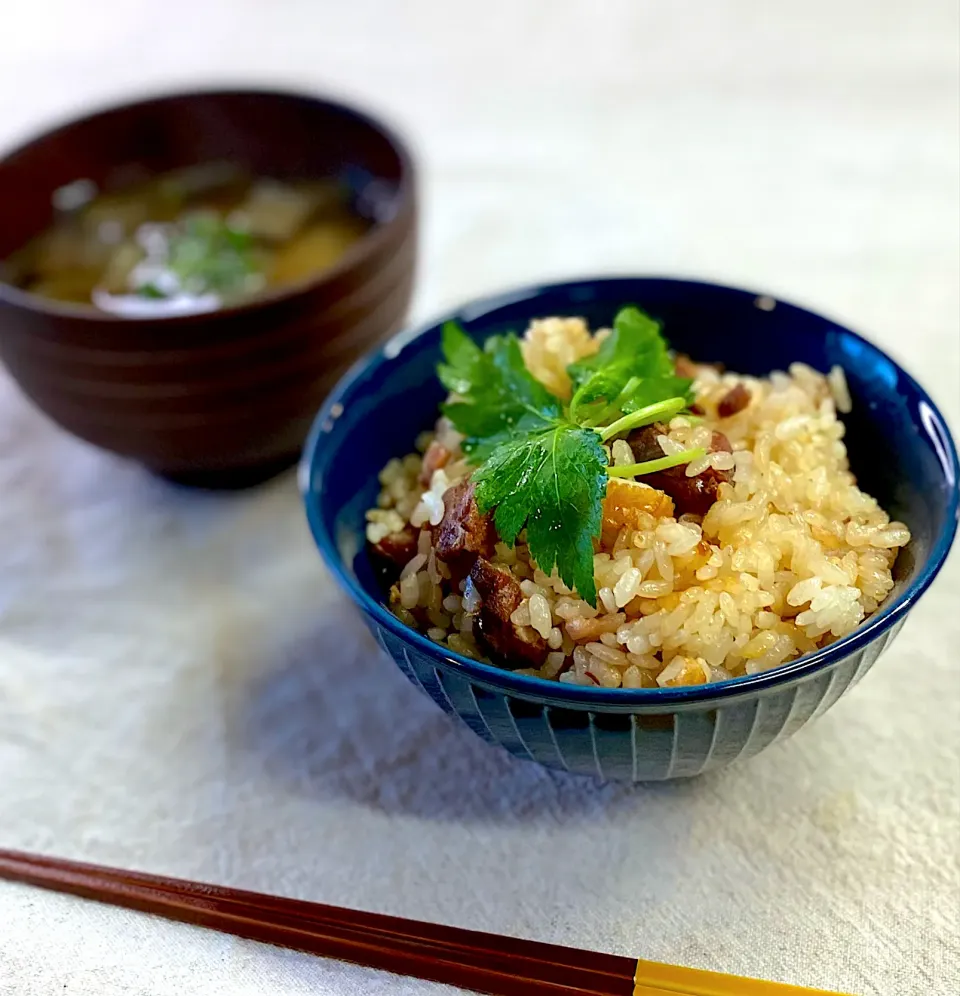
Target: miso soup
(186, 241)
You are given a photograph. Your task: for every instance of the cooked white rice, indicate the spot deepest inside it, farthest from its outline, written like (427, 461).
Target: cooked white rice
(792, 556)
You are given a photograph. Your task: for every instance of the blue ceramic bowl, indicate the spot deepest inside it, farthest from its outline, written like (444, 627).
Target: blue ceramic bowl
(899, 449)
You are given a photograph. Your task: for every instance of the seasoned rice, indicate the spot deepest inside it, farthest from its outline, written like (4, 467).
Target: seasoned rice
(792, 555)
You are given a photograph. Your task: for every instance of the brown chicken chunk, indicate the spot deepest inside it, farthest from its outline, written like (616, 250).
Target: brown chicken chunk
(464, 533)
(501, 595)
(398, 547)
(720, 444)
(437, 456)
(392, 553)
(685, 367)
(734, 401)
(691, 495)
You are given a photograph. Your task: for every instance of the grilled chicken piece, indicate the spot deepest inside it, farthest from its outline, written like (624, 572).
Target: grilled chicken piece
(501, 595)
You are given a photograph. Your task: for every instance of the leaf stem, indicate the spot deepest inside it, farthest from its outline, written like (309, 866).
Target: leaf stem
(643, 416)
(652, 466)
(631, 385)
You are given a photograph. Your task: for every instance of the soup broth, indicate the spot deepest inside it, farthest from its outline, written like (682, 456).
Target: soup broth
(190, 240)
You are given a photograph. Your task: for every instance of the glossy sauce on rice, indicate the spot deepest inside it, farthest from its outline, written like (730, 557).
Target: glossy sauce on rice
(789, 557)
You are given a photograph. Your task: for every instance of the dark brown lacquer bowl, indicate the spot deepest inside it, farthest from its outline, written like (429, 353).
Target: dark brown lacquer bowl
(223, 398)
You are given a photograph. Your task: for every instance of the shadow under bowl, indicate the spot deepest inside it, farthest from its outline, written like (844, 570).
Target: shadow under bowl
(900, 450)
(225, 397)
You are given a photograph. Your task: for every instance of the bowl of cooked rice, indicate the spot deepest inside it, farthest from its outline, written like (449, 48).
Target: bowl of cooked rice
(637, 528)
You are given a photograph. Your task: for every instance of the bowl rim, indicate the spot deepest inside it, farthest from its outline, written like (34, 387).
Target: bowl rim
(365, 247)
(313, 460)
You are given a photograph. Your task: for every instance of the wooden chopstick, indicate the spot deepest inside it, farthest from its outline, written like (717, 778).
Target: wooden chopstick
(488, 963)
(469, 959)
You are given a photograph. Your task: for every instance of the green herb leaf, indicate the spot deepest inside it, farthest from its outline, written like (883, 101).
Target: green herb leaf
(631, 370)
(542, 467)
(497, 398)
(552, 482)
(206, 254)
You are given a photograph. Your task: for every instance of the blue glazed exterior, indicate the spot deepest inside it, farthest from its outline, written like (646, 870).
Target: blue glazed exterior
(899, 447)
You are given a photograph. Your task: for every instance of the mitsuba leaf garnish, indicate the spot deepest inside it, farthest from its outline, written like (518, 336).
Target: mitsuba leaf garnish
(495, 397)
(541, 463)
(206, 254)
(631, 370)
(552, 482)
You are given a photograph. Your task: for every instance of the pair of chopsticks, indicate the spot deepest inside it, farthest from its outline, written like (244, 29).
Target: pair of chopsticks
(486, 963)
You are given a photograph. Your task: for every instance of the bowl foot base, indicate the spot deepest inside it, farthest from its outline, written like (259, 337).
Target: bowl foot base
(229, 478)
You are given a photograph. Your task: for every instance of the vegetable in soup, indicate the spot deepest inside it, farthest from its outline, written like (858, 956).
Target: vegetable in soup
(186, 241)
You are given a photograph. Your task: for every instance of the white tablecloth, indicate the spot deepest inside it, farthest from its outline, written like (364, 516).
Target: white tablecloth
(183, 690)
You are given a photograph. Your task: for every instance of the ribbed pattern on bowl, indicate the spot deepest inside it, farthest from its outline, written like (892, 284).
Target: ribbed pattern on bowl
(233, 389)
(646, 744)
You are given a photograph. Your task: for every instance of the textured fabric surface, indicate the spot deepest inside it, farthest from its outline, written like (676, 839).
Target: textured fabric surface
(183, 690)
